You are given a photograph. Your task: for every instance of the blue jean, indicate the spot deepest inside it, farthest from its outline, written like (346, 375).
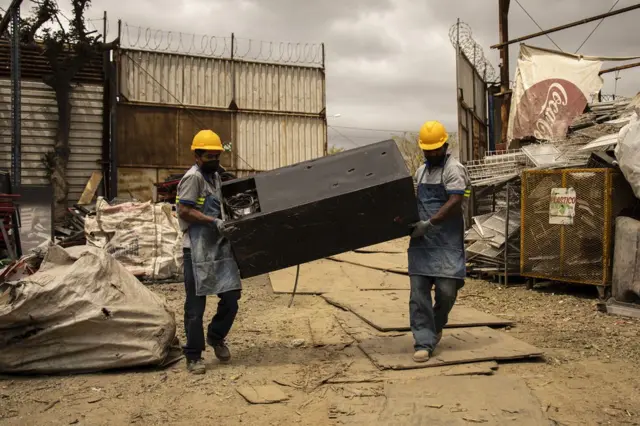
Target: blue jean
(194, 307)
(426, 319)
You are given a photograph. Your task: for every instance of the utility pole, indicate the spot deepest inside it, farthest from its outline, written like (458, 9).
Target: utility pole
(503, 20)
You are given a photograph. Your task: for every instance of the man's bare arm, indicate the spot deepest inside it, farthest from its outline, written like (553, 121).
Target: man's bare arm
(192, 215)
(451, 207)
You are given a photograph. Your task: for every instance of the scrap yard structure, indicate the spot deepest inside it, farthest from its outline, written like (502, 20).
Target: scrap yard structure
(553, 215)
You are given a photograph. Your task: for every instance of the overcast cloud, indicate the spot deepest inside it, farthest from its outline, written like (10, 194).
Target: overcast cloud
(389, 63)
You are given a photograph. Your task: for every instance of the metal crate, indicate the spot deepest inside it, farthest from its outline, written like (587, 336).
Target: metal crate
(579, 253)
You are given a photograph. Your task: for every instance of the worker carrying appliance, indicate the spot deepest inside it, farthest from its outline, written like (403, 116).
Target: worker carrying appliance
(209, 265)
(436, 251)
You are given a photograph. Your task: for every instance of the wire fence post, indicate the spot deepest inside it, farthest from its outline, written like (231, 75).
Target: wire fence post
(16, 99)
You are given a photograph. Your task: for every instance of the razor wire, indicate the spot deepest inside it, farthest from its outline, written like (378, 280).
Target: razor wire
(461, 36)
(134, 37)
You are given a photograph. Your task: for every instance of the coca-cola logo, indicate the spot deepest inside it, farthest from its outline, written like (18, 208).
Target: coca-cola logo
(547, 108)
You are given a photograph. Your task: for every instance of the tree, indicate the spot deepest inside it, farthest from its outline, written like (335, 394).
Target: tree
(334, 150)
(408, 146)
(67, 49)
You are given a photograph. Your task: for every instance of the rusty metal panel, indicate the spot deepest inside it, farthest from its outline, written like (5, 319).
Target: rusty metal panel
(39, 125)
(190, 122)
(136, 183)
(151, 77)
(466, 76)
(269, 87)
(207, 82)
(146, 135)
(160, 136)
(266, 142)
(472, 110)
(480, 97)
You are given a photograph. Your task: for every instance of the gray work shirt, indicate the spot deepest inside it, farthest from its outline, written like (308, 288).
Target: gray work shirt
(192, 190)
(454, 177)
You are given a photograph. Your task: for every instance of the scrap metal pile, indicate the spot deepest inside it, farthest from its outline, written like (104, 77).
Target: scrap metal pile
(589, 143)
(594, 131)
(489, 237)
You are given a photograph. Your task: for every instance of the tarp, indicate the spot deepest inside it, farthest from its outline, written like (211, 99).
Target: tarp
(82, 312)
(628, 151)
(552, 88)
(144, 237)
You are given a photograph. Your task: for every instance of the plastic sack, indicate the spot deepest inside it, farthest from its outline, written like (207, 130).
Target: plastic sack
(144, 237)
(82, 312)
(628, 152)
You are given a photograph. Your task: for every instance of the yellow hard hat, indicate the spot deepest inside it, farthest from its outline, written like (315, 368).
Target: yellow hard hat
(432, 136)
(207, 141)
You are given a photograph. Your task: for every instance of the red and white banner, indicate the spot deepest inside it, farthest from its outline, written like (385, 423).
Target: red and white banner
(552, 88)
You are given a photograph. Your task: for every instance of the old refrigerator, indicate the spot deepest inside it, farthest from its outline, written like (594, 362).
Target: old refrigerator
(311, 210)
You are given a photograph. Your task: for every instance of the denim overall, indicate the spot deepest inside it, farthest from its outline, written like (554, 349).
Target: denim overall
(435, 260)
(440, 253)
(214, 268)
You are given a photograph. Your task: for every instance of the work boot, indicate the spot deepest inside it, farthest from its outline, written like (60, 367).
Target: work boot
(438, 337)
(196, 366)
(422, 355)
(220, 349)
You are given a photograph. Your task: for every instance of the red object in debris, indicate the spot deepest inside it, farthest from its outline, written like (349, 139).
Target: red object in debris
(16, 270)
(167, 191)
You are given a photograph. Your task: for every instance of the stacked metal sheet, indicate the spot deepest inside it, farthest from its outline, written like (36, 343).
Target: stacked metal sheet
(489, 235)
(593, 131)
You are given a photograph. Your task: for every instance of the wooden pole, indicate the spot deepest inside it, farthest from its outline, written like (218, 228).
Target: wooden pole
(503, 20)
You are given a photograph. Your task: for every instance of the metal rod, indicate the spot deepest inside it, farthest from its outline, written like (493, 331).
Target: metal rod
(4, 24)
(233, 44)
(506, 239)
(16, 100)
(113, 118)
(620, 68)
(104, 27)
(295, 286)
(566, 26)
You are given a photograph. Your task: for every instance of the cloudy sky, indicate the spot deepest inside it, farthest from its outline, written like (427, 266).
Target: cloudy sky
(390, 64)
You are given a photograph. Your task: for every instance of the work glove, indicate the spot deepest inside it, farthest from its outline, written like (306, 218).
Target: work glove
(221, 227)
(419, 229)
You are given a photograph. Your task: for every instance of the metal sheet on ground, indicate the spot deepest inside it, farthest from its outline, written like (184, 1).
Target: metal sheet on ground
(495, 400)
(458, 346)
(269, 394)
(326, 331)
(389, 310)
(391, 262)
(325, 275)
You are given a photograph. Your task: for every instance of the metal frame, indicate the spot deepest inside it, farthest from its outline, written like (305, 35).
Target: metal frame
(566, 26)
(16, 100)
(606, 236)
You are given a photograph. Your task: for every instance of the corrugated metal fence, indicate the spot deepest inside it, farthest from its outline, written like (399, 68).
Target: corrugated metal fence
(39, 124)
(273, 114)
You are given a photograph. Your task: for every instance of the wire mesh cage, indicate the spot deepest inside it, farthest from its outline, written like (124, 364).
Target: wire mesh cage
(580, 250)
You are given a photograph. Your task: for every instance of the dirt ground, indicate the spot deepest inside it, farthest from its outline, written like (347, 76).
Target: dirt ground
(589, 375)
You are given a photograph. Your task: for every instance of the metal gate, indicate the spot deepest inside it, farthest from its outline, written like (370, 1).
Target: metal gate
(580, 252)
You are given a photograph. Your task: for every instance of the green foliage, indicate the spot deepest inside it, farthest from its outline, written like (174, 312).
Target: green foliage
(334, 150)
